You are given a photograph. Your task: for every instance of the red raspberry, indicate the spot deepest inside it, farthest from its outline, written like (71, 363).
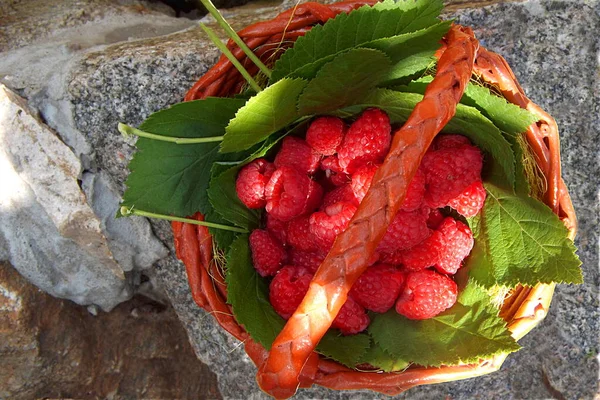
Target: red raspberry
(470, 201)
(426, 294)
(310, 260)
(361, 180)
(295, 152)
(251, 181)
(406, 230)
(423, 255)
(288, 288)
(277, 228)
(378, 287)
(299, 235)
(325, 135)
(456, 242)
(268, 254)
(435, 218)
(450, 142)
(334, 172)
(287, 193)
(342, 193)
(351, 319)
(415, 192)
(326, 225)
(449, 172)
(367, 140)
(313, 198)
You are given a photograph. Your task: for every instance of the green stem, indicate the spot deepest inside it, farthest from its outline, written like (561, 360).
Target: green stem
(234, 36)
(215, 39)
(127, 211)
(127, 131)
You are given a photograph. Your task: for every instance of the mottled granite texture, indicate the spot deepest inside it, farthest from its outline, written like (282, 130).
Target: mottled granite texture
(555, 57)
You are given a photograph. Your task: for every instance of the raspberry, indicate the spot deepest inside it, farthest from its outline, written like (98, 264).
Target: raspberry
(378, 287)
(325, 135)
(449, 171)
(415, 192)
(299, 235)
(423, 255)
(277, 228)
(310, 260)
(267, 253)
(450, 142)
(287, 193)
(456, 242)
(470, 201)
(367, 140)
(426, 294)
(288, 288)
(295, 152)
(435, 218)
(342, 193)
(313, 198)
(251, 181)
(361, 180)
(326, 225)
(351, 319)
(406, 230)
(334, 172)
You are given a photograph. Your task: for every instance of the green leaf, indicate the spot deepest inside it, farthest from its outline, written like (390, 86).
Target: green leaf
(508, 117)
(269, 111)
(411, 52)
(344, 80)
(172, 179)
(462, 334)
(468, 121)
(381, 359)
(351, 30)
(248, 295)
(347, 350)
(519, 240)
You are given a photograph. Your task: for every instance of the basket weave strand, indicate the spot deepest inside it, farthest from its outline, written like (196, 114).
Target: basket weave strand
(522, 309)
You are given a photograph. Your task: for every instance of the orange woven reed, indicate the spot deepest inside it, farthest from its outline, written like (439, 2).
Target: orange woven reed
(523, 308)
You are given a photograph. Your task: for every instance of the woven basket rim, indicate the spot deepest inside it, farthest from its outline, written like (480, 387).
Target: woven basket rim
(523, 309)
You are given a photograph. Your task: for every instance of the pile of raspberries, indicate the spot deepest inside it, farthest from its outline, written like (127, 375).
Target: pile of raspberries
(311, 191)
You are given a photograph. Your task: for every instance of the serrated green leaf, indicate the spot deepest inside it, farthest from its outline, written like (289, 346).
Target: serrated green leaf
(467, 121)
(464, 333)
(264, 114)
(172, 179)
(248, 295)
(412, 52)
(347, 350)
(519, 240)
(344, 80)
(351, 30)
(508, 117)
(379, 358)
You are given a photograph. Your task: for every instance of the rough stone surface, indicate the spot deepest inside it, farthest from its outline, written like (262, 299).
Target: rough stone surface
(52, 348)
(47, 228)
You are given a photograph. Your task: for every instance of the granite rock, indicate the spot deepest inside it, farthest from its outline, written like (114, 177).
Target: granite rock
(53, 348)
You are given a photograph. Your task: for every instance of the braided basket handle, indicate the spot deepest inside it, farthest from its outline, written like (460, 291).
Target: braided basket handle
(523, 309)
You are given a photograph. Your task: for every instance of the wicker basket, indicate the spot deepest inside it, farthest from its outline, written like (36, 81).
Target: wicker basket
(522, 309)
